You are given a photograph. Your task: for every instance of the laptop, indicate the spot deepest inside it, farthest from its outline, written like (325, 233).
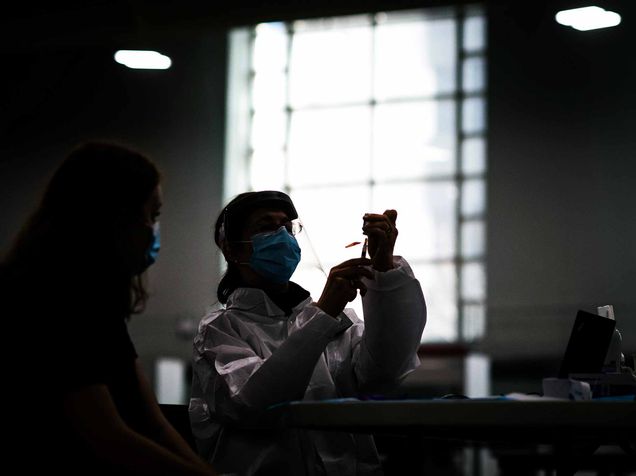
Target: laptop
(588, 344)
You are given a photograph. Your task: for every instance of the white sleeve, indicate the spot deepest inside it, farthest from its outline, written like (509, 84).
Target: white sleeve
(394, 318)
(255, 382)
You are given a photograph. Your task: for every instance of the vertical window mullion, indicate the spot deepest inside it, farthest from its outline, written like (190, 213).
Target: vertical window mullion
(288, 108)
(250, 100)
(459, 179)
(373, 105)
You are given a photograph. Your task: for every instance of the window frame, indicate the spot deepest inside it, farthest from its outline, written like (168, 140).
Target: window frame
(239, 150)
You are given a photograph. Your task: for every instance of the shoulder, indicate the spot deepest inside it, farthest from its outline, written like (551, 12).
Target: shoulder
(216, 323)
(214, 318)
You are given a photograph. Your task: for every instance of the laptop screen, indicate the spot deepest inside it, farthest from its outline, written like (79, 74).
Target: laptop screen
(589, 340)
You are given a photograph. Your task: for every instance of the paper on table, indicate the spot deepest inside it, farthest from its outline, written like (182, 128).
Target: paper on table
(529, 397)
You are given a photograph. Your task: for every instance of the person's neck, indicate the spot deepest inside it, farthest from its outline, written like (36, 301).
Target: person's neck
(275, 288)
(253, 280)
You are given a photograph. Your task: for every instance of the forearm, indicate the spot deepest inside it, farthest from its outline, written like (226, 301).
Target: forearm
(160, 429)
(133, 452)
(96, 420)
(395, 315)
(284, 376)
(169, 438)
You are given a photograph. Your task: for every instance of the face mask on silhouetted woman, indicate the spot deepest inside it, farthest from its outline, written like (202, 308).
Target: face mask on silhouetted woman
(150, 253)
(153, 251)
(275, 255)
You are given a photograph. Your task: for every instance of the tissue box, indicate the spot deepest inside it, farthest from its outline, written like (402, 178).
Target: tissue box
(567, 389)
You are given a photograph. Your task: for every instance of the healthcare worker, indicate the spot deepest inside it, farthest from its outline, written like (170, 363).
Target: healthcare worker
(273, 343)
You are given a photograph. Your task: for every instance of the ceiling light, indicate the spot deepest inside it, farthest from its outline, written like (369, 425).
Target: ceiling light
(142, 59)
(588, 18)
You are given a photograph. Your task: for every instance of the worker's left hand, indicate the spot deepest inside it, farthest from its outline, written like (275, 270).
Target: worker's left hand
(382, 234)
(342, 285)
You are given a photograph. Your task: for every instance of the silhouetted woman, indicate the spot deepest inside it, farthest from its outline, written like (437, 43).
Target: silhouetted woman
(76, 399)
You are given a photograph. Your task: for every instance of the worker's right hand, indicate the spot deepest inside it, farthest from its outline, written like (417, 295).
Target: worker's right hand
(343, 283)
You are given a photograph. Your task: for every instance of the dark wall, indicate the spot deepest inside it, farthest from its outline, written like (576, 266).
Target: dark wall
(562, 179)
(562, 166)
(59, 95)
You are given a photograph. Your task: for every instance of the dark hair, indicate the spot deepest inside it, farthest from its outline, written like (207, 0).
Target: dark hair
(231, 223)
(92, 199)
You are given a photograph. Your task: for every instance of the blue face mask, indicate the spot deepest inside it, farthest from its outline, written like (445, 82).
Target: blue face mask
(275, 255)
(153, 250)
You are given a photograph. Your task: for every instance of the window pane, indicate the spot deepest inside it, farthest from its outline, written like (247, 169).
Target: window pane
(330, 146)
(438, 283)
(268, 91)
(426, 217)
(170, 384)
(270, 47)
(330, 65)
(414, 58)
(310, 277)
(473, 239)
(474, 115)
(332, 218)
(473, 281)
(473, 75)
(474, 155)
(267, 170)
(474, 322)
(474, 33)
(414, 139)
(268, 130)
(473, 197)
(326, 234)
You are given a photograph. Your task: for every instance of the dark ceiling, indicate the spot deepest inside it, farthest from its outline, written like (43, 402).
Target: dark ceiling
(73, 24)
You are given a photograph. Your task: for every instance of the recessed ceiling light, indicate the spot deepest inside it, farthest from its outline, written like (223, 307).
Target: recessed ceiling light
(143, 59)
(588, 18)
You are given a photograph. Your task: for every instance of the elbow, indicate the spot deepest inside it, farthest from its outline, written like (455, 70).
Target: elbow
(382, 380)
(381, 385)
(253, 404)
(248, 410)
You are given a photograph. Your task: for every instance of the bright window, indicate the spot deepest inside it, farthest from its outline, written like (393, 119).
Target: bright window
(368, 112)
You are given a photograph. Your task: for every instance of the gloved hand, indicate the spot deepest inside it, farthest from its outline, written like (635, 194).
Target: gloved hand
(382, 234)
(343, 283)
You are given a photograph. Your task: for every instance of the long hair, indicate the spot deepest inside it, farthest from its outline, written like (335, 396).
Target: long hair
(80, 230)
(224, 235)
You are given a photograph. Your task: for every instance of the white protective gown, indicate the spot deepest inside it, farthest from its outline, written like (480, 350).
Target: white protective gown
(249, 356)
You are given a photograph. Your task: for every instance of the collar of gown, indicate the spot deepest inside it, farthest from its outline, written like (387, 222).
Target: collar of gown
(277, 306)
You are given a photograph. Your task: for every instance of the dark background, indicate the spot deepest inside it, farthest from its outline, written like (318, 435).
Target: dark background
(561, 155)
